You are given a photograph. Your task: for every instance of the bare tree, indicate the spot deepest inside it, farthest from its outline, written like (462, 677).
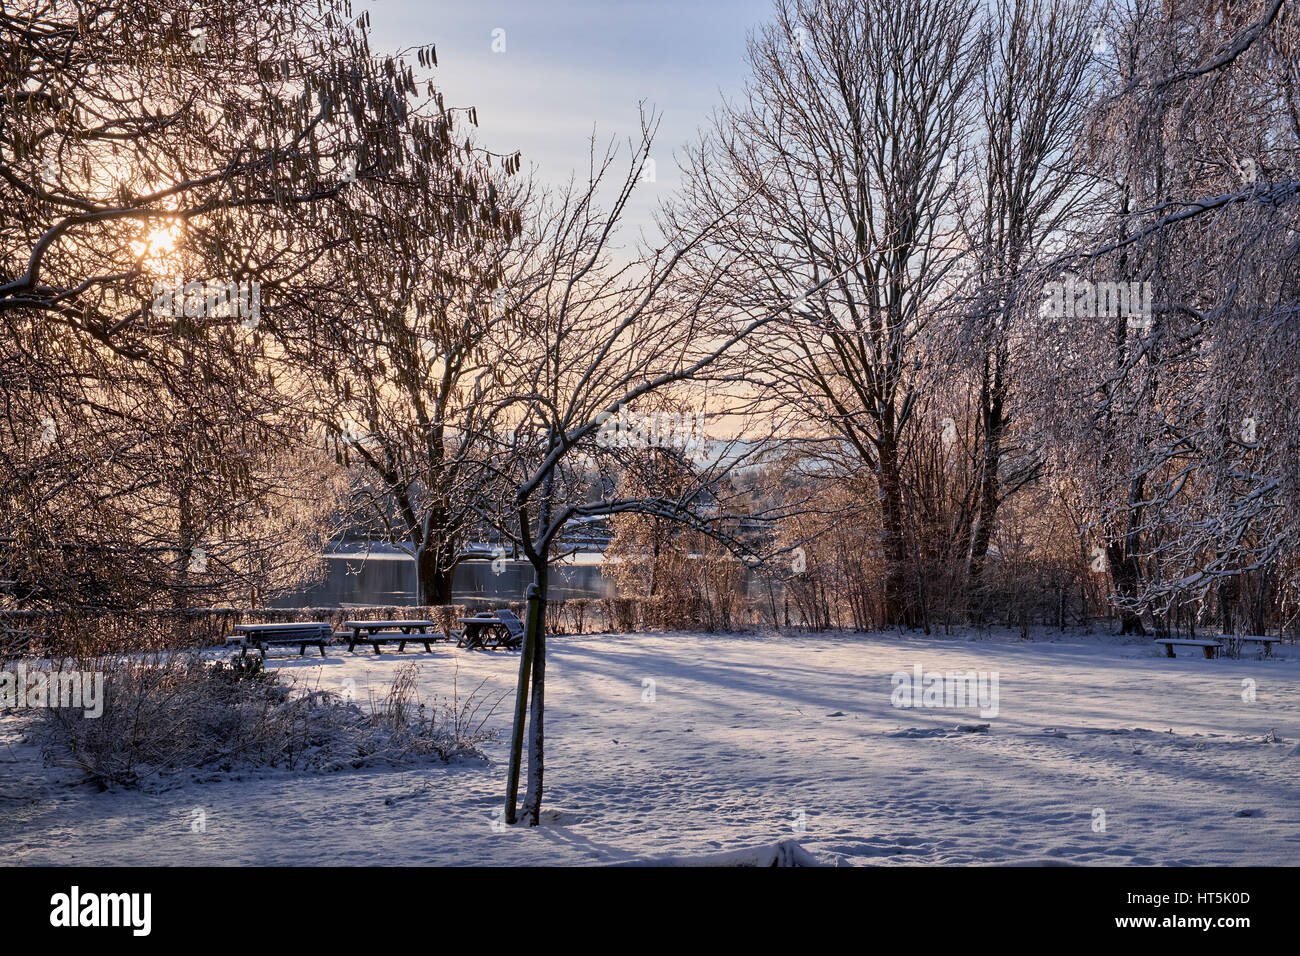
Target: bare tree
(596, 337)
(400, 362)
(1025, 183)
(850, 137)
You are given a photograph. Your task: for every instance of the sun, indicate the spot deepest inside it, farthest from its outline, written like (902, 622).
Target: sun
(162, 241)
(157, 250)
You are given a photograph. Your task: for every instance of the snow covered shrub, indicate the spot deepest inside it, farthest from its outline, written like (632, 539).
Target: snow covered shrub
(402, 723)
(177, 713)
(671, 577)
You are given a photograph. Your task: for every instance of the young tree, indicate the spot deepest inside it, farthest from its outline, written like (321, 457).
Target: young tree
(596, 336)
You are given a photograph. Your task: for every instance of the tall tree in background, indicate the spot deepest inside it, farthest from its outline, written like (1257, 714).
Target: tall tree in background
(1025, 184)
(401, 362)
(850, 136)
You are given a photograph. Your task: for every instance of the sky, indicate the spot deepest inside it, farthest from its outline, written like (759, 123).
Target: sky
(563, 69)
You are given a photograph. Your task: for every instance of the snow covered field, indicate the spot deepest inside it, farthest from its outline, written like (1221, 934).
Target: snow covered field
(739, 742)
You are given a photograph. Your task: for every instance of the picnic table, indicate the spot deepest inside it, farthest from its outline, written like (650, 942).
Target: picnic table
(491, 629)
(375, 633)
(302, 633)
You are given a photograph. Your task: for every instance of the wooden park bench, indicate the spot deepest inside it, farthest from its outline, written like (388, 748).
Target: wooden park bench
(262, 636)
(1236, 641)
(375, 633)
(489, 630)
(1212, 648)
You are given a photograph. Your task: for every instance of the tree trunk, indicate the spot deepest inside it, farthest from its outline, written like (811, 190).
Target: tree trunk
(537, 702)
(437, 545)
(433, 580)
(1124, 569)
(181, 597)
(993, 400)
(532, 627)
(1229, 594)
(897, 606)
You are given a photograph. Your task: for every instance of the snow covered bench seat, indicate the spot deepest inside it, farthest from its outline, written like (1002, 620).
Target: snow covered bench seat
(1212, 648)
(1235, 642)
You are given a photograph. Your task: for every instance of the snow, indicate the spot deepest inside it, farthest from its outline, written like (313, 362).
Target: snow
(755, 749)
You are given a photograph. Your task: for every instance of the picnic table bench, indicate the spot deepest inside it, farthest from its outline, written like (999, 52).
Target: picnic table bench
(491, 629)
(375, 633)
(1235, 642)
(1212, 648)
(302, 633)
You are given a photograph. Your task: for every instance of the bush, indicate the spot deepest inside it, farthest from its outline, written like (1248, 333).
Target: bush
(177, 713)
(242, 668)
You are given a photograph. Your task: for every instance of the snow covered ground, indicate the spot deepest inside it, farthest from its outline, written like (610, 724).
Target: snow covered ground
(746, 740)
